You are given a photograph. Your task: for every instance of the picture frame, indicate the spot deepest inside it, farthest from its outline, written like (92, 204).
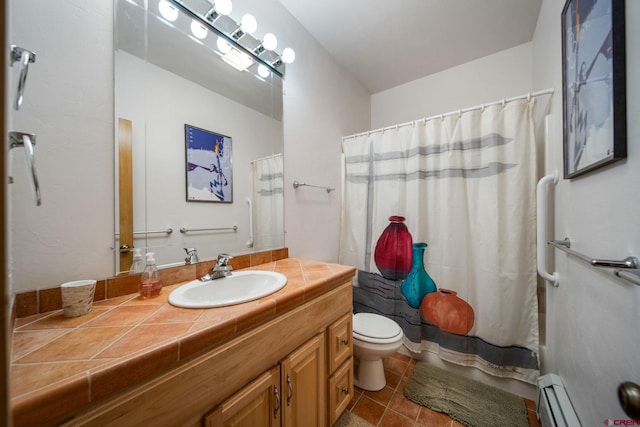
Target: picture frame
(594, 85)
(208, 165)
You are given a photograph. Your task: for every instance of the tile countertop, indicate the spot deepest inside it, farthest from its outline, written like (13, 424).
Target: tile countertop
(60, 366)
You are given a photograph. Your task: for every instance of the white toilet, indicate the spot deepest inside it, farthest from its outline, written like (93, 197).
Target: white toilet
(374, 338)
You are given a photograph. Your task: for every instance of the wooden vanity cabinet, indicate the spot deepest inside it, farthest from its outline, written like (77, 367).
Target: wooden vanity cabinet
(290, 394)
(299, 362)
(340, 352)
(300, 391)
(259, 403)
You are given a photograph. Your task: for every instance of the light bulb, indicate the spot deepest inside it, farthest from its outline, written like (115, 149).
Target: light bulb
(198, 30)
(269, 42)
(223, 45)
(167, 10)
(248, 24)
(263, 71)
(288, 56)
(223, 7)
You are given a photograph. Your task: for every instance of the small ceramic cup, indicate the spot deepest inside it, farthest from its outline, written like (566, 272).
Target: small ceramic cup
(77, 297)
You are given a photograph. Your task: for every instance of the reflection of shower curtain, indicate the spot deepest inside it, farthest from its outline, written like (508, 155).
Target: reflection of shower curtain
(466, 185)
(268, 217)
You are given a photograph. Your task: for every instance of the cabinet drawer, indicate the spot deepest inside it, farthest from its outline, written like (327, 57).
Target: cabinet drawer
(340, 342)
(340, 390)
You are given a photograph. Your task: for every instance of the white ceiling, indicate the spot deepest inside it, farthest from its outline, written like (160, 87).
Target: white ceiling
(385, 43)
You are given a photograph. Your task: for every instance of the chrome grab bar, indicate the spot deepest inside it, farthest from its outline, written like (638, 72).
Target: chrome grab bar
(27, 140)
(25, 57)
(565, 245)
(628, 268)
(630, 275)
(189, 230)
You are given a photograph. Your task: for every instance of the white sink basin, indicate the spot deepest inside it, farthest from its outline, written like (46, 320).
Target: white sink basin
(241, 286)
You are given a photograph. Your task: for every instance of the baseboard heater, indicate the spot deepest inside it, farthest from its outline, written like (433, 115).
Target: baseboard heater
(554, 407)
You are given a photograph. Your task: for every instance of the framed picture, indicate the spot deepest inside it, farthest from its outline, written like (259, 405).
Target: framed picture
(594, 88)
(209, 166)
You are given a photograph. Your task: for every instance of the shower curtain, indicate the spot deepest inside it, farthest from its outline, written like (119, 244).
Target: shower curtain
(465, 184)
(268, 193)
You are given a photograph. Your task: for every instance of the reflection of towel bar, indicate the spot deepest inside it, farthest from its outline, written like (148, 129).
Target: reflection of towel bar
(27, 141)
(167, 231)
(25, 57)
(297, 184)
(138, 233)
(188, 230)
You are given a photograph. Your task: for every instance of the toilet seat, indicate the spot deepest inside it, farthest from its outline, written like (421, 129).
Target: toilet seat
(373, 328)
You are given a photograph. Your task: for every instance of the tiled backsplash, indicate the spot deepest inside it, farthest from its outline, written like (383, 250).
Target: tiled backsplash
(45, 300)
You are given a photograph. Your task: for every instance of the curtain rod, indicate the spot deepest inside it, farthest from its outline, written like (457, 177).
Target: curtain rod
(453, 113)
(271, 156)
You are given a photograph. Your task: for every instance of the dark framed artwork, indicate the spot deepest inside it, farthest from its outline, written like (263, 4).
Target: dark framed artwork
(594, 87)
(209, 167)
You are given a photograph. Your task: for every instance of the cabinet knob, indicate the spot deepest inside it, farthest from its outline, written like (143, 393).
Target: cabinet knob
(345, 391)
(345, 341)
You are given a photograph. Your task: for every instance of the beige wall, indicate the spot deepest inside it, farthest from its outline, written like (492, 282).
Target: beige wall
(593, 339)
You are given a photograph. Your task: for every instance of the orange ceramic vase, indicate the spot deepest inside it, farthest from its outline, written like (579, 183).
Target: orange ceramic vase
(447, 311)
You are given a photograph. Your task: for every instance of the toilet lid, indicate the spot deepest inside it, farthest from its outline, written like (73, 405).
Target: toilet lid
(375, 326)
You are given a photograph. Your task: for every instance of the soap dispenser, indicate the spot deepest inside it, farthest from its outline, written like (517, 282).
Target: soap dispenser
(150, 283)
(137, 266)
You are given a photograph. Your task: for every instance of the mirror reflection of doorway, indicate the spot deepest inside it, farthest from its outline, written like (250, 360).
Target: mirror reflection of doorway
(125, 194)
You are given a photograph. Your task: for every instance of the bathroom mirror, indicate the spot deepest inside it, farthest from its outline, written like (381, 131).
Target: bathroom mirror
(166, 81)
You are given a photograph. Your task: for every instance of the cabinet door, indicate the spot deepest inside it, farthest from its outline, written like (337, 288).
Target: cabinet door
(256, 404)
(340, 342)
(340, 390)
(304, 385)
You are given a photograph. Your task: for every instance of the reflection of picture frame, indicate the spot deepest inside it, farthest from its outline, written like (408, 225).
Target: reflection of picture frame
(594, 88)
(208, 166)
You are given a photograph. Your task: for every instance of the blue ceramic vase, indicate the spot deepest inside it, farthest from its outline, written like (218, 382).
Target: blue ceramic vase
(418, 283)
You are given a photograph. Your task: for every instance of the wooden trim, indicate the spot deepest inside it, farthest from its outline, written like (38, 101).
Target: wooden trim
(125, 191)
(184, 395)
(5, 322)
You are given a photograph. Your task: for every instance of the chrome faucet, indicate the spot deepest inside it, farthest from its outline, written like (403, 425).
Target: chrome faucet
(192, 256)
(221, 269)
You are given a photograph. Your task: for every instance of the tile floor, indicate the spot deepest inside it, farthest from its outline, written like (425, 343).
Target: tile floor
(389, 408)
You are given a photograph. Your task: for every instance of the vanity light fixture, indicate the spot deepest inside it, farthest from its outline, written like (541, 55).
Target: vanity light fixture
(167, 10)
(235, 44)
(248, 25)
(269, 42)
(287, 57)
(219, 7)
(198, 30)
(223, 45)
(263, 71)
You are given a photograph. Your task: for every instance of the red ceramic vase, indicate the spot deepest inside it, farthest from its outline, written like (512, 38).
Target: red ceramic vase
(447, 311)
(393, 254)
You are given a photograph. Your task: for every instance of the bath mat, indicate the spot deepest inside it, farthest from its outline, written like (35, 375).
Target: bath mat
(349, 419)
(469, 402)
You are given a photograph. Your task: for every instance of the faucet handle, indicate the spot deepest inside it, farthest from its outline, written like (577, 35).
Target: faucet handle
(223, 259)
(192, 256)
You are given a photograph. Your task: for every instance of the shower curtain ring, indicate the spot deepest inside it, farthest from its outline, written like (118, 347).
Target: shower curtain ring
(504, 102)
(482, 108)
(529, 97)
